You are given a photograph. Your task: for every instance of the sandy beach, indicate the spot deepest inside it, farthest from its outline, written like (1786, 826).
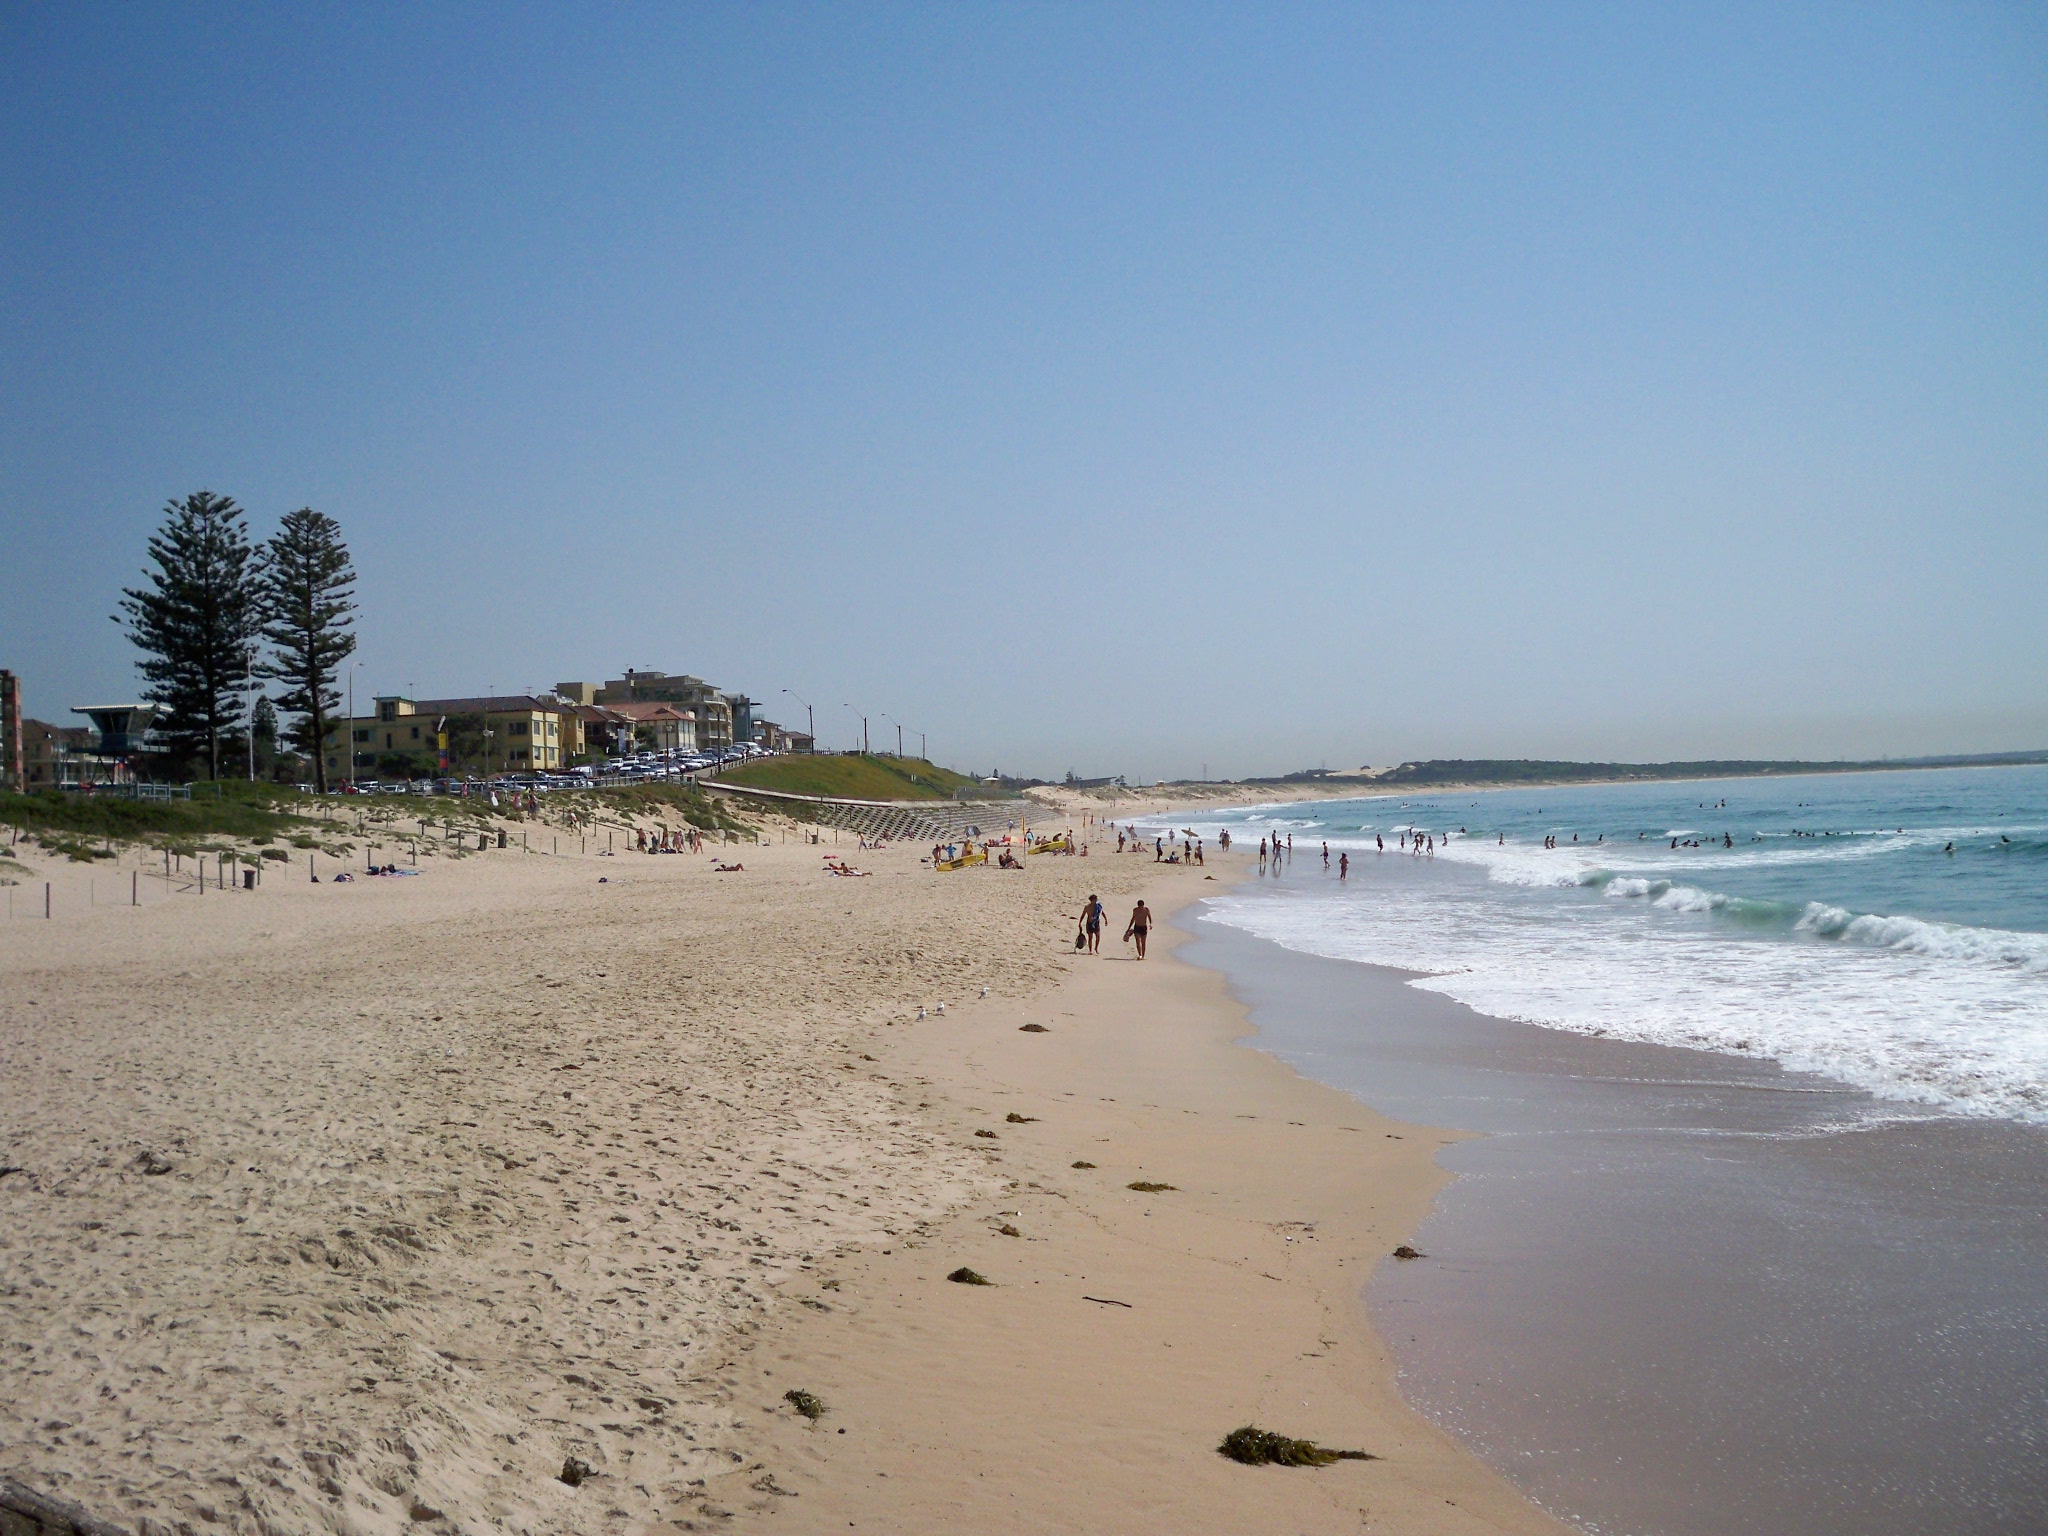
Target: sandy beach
(379, 1206)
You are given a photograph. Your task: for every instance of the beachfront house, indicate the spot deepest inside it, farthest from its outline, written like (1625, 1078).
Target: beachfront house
(600, 731)
(660, 727)
(778, 738)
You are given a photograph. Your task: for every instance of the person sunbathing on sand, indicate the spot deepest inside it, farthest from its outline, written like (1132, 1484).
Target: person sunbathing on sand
(728, 869)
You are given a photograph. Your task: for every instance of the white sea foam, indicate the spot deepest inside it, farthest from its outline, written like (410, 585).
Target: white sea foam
(1815, 962)
(1913, 1011)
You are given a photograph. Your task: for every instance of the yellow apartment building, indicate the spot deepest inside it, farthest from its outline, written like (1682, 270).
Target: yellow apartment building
(517, 733)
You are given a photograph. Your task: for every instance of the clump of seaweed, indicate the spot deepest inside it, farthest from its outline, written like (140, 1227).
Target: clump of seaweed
(965, 1276)
(1016, 1119)
(1148, 1187)
(1033, 1029)
(1009, 1231)
(808, 1404)
(1257, 1447)
(1082, 1162)
(988, 1135)
(574, 1471)
(1405, 1252)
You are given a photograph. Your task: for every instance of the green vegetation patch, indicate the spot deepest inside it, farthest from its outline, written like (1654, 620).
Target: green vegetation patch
(1257, 1447)
(965, 1276)
(65, 821)
(851, 777)
(808, 1404)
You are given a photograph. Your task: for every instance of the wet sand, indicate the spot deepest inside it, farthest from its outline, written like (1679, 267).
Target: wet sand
(1685, 1294)
(1125, 1332)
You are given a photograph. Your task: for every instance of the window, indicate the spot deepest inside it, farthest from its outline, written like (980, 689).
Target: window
(518, 727)
(362, 738)
(415, 733)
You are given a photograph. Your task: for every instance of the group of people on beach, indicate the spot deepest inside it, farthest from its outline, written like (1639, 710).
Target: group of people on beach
(669, 840)
(1183, 847)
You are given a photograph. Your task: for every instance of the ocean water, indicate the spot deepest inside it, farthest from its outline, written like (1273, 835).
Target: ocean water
(1676, 1292)
(1887, 930)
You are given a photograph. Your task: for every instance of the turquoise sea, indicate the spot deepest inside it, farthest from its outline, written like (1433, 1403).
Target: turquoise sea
(1887, 929)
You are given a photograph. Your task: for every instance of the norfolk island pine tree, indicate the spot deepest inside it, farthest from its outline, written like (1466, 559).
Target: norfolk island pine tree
(196, 621)
(309, 587)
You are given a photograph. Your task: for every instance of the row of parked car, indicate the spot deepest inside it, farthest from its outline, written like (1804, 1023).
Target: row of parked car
(661, 765)
(632, 768)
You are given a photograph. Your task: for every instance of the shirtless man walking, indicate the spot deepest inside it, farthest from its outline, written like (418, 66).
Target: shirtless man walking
(1091, 920)
(1140, 925)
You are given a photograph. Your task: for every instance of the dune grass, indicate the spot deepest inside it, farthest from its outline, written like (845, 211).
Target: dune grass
(87, 827)
(691, 803)
(79, 825)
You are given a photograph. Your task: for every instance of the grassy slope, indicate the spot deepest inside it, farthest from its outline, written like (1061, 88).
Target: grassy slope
(853, 778)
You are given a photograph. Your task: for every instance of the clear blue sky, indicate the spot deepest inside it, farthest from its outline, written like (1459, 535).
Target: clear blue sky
(1125, 389)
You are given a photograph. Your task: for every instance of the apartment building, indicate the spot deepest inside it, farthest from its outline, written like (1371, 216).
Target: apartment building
(507, 733)
(710, 708)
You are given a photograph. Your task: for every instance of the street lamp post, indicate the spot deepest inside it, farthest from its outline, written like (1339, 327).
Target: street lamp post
(809, 715)
(352, 724)
(899, 730)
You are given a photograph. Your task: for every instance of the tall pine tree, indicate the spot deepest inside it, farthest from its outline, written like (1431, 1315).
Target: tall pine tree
(196, 623)
(308, 590)
(264, 727)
